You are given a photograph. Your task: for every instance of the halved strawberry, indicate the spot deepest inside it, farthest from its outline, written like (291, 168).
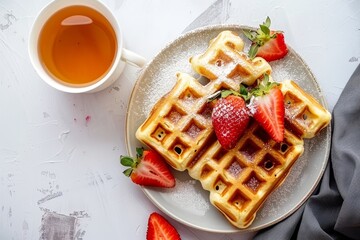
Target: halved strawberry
(148, 169)
(160, 228)
(273, 49)
(267, 44)
(267, 107)
(229, 118)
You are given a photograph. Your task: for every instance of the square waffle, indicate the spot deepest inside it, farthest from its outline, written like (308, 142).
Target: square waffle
(225, 59)
(239, 180)
(179, 125)
(304, 115)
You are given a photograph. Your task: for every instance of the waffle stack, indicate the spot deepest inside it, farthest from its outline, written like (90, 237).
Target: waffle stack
(239, 180)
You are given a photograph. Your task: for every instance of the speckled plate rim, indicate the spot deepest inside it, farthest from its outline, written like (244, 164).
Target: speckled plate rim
(234, 230)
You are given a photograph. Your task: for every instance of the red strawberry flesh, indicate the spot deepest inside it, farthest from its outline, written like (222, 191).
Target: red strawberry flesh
(160, 228)
(149, 169)
(152, 171)
(269, 113)
(273, 49)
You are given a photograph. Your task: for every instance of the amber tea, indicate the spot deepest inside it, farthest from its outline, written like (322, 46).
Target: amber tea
(77, 45)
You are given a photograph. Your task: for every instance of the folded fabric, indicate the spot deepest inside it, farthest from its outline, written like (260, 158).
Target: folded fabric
(333, 211)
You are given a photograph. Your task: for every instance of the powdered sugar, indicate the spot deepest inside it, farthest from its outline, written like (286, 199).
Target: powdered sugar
(251, 106)
(235, 169)
(253, 183)
(186, 196)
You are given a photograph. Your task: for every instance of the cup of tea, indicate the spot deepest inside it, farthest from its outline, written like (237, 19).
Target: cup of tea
(77, 46)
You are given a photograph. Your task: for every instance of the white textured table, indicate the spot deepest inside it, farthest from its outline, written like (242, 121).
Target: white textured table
(59, 153)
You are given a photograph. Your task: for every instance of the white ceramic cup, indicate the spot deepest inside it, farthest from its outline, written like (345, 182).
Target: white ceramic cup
(121, 56)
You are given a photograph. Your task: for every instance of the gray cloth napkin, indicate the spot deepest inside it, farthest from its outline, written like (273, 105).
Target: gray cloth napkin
(333, 211)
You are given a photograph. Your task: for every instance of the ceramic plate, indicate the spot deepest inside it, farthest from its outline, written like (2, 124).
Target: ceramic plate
(188, 202)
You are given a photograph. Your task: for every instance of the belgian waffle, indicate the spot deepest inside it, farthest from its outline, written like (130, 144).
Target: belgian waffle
(225, 59)
(239, 180)
(180, 122)
(303, 113)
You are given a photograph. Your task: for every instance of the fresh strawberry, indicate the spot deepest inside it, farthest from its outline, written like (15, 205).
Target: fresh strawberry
(267, 107)
(160, 228)
(229, 118)
(267, 44)
(274, 49)
(148, 169)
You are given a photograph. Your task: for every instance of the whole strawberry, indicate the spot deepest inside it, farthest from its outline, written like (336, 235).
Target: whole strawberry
(148, 169)
(230, 118)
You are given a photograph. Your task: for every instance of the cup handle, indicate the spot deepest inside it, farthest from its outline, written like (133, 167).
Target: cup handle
(133, 58)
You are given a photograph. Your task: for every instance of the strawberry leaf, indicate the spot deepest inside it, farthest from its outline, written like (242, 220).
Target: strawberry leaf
(265, 80)
(245, 94)
(221, 94)
(139, 152)
(128, 172)
(253, 51)
(126, 161)
(267, 22)
(226, 93)
(264, 87)
(243, 90)
(249, 34)
(265, 29)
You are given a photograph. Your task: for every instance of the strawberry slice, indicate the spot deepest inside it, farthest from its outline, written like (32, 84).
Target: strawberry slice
(274, 49)
(268, 109)
(160, 228)
(230, 118)
(267, 44)
(148, 169)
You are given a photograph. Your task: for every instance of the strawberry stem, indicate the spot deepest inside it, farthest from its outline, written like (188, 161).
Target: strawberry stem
(139, 152)
(221, 94)
(131, 162)
(261, 89)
